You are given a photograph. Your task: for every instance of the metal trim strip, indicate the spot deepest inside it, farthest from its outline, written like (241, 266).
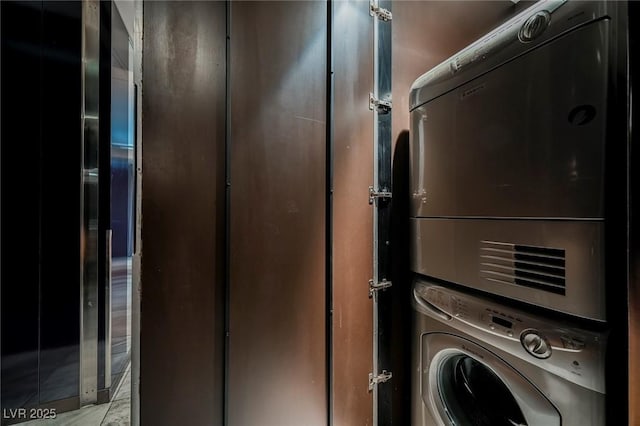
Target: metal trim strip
(88, 196)
(329, 163)
(382, 146)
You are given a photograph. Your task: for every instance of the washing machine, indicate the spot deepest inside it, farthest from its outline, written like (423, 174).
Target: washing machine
(480, 363)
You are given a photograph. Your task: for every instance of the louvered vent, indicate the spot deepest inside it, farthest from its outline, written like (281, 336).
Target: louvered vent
(529, 266)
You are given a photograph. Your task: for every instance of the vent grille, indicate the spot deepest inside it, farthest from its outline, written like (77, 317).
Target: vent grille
(541, 268)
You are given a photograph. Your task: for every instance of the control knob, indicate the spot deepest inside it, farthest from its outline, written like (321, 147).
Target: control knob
(534, 26)
(536, 344)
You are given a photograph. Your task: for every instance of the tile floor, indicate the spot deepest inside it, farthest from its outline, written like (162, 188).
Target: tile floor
(121, 281)
(115, 413)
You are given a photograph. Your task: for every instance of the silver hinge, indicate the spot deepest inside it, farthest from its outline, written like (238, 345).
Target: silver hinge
(373, 194)
(385, 376)
(373, 286)
(383, 106)
(379, 12)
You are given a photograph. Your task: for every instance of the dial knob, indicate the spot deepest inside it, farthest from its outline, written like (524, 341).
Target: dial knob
(534, 26)
(534, 343)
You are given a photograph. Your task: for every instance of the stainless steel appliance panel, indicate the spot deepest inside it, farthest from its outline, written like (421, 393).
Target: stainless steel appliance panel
(524, 140)
(555, 264)
(534, 27)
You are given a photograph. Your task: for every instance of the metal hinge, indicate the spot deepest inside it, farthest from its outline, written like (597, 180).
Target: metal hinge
(373, 286)
(374, 195)
(383, 106)
(385, 376)
(379, 12)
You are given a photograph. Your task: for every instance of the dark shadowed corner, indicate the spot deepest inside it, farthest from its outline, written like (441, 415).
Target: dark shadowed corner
(400, 276)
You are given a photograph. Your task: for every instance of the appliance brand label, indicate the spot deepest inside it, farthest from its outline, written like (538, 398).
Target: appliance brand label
(472, 91)
(581, 115)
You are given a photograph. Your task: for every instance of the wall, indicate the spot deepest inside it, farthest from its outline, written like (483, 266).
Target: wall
(352, 214)
(277, 364)
(127, 12)
(277, 218)
(183, 111)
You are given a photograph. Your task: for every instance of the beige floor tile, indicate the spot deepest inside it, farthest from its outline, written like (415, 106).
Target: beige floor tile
(119, 414)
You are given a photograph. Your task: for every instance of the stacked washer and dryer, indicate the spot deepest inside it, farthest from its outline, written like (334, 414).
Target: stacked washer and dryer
(508, 223)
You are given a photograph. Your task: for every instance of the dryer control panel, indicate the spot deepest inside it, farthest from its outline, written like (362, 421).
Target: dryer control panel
(572, 353)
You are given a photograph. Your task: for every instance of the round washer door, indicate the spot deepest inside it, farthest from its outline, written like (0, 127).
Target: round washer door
(464, 384)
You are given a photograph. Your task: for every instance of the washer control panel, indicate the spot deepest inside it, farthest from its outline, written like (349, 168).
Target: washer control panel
(573, 353)
(501, 322)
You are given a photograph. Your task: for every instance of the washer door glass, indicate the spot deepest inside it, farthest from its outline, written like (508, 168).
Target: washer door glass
(474, 396)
